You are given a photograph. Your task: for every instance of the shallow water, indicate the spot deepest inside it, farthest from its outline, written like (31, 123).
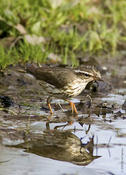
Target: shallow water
(33, 142)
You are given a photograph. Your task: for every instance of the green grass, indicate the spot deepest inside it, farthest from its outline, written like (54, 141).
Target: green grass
(69, 27)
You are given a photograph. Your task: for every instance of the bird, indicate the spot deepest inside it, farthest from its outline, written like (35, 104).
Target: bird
(64, 82)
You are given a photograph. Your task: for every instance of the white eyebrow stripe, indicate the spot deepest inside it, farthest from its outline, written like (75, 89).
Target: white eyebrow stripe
(84, 72)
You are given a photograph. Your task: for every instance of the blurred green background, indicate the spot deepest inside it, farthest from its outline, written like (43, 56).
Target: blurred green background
(60, 31)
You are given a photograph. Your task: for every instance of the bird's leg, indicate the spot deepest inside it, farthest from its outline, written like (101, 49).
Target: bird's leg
(49, 105)
(73, 107)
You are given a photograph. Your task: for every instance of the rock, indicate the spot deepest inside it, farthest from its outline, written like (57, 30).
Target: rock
(6, 101)
(99, 86)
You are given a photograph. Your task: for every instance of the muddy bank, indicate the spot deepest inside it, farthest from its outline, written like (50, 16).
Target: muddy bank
(90, 139)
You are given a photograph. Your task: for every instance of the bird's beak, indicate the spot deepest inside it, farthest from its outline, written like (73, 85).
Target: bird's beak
(101, 80)
(98, 78)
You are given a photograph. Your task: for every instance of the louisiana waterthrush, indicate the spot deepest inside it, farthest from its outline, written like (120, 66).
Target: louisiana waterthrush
(64, 83)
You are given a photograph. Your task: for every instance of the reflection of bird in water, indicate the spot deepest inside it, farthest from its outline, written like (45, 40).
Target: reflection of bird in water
(60, 145)
(64, 83)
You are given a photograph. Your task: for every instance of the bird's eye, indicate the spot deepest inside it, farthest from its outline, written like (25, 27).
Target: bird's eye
(87, 75)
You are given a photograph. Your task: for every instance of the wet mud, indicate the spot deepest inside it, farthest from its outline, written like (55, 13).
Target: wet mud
(94, 139)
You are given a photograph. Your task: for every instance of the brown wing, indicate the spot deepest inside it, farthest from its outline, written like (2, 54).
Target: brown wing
(56, 76)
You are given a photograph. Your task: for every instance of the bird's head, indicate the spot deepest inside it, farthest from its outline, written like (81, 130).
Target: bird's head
(88, 74)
